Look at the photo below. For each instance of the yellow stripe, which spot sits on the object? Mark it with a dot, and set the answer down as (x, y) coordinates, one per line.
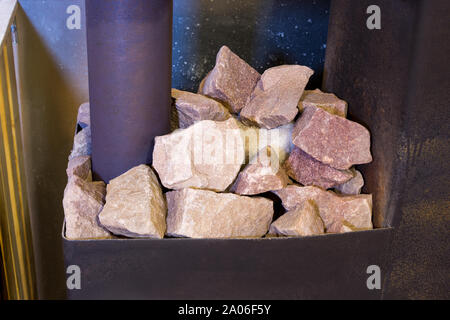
(3, 253)
(12, 193)
(17, 163)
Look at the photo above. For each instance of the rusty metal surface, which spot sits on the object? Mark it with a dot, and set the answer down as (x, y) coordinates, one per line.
(395, 81)
(129, 47)
(320, 267)
(53, 83)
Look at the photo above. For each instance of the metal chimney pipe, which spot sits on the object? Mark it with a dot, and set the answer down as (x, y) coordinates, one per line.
(129, 45)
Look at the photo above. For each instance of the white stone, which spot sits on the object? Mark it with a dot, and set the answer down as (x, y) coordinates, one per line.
(207, 155)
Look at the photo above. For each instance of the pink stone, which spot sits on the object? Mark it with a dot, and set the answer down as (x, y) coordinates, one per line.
(262, 174)
(274, 100)
(303, 220)
(327, 101)
(333, 209)
(332, 140)
(194, 107)
(231, 81)
(308, 171)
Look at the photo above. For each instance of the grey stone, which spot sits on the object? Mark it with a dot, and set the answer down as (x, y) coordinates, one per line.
(303, 220)
(84, 115)
(274, 100)
(205, 214)
(194, 107)
(135, 206)
(82, 202)
(81, 144)
(207, 155)
(81, 167)
(333, 209)
(352, 186)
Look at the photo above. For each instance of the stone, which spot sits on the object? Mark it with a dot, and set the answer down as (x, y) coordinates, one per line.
(274, 100)
(352, 186)
(82, 202)
(262, 174)
(174, 121)
(332, 140)
(81, 167)
(202, 83)
(308, 171)
(303, 220)
(279, 139)
(333, 209)
(81, 143)
(135, 205)
(327, 101)
(231, 81)
(194, 107)
(84, 115)
(205, 214)
(348, 227)
(207, 155)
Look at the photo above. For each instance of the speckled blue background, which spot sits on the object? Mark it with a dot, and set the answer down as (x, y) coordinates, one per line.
(265, 33)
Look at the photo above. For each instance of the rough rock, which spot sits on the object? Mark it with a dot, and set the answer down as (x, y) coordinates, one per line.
(348, 227)
(194, 107)
(332, 140)
(82, 202)
(327, 101)
(81, 144)
(279, 140)
(84, 115)
(135, 205)
(275, 98)
(206, 214)
(207, 155)
(333, 209)
(308, 171)
(231, 81)
(174, 121)
(262, 174)
(202, 83)
(354, 185)
(81, 167)
(303, 220)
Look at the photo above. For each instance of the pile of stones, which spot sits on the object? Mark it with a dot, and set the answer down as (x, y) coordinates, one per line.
(241, 139)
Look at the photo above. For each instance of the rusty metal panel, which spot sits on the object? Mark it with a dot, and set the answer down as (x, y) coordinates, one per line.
(53, 82)
(15, 233)
(318, 267)
(395, 80)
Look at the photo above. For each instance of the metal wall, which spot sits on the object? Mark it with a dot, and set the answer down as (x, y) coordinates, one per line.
(54, 83)
(53, 75)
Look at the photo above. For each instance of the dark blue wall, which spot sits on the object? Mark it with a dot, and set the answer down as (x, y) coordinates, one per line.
(265, 33)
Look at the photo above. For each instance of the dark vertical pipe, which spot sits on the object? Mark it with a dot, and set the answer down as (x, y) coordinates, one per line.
(129, 46)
